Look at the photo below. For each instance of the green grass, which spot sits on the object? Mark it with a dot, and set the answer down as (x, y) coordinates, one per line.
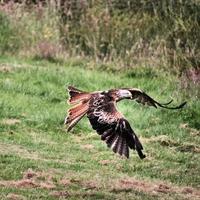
(32, 135)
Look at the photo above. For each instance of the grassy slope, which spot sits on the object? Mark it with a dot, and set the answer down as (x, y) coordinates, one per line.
(34, 94)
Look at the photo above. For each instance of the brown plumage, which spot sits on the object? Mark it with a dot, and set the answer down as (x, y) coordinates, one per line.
(100, 108)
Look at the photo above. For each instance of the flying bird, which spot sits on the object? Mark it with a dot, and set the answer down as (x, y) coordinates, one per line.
(109, 123)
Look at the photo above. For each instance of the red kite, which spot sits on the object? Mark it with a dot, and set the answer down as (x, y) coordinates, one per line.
(100, 108)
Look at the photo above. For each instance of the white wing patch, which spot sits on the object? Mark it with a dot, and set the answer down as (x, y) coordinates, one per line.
(98, 102)
(103, 117)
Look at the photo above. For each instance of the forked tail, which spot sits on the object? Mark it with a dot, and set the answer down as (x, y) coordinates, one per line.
(81, 101)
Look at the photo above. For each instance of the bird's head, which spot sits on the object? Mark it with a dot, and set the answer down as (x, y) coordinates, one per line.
(123, 94)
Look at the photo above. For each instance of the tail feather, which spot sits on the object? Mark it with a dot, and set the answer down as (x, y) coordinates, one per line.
(76, 113)
(77, 108)
(74, 122)
(72, 116)
(76, 95)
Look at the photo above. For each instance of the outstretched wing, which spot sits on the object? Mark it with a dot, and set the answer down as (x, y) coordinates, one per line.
(113, 127)
(143, 98)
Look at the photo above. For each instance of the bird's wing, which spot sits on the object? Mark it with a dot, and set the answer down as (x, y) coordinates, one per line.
(114, 129)
(143, 98)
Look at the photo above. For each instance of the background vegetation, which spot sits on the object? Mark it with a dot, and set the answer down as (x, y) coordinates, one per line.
(96, 45)
(158, 34)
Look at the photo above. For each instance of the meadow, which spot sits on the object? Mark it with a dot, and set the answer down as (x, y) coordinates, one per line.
(40, 160)
(48, 45)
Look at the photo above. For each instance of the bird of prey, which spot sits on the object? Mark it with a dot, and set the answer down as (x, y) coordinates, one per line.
(109, 123)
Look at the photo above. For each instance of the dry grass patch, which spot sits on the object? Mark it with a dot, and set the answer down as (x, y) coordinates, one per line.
(8, 68)
(90, 185)
(59, 194)
(65, 182)
(192, 131)
(5, 69)
(12, 196)
(153, 188)
(106, 162)
(11, 121)
(163, 140)
(87, 146)
(31, 179)
(189, 148)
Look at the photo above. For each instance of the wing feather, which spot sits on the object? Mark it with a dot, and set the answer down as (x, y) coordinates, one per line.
(143, 98)
(113, 127)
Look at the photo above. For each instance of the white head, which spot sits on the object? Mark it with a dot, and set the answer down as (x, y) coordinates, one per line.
(122, 94)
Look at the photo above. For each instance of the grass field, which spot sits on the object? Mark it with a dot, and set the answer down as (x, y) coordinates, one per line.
(40, 160)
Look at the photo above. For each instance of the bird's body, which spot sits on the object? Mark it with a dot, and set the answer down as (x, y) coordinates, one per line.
(110, 124)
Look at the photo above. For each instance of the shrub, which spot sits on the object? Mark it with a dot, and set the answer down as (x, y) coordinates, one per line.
(128, 33)
(8, 39)
(48, 51)
(153, 33)
(30, 24)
